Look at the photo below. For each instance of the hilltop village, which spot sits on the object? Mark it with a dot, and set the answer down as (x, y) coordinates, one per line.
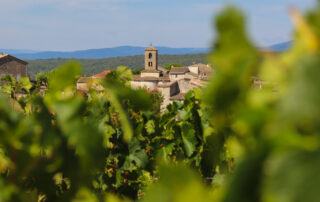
(173, 84)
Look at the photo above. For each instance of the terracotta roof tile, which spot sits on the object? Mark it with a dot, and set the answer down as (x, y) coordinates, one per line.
(101, 74)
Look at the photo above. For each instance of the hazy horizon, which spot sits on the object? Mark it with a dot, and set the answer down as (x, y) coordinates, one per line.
(56, 25)
(97, 48)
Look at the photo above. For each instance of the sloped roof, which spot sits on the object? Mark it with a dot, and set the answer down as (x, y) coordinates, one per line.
(6, 57)
(149, 78)
(198, 82)
(164, 77)
(163, 69)
(151, 48)
(179, 96)
(192, 74)
(203, 68)
(101, 74)
(179, 70)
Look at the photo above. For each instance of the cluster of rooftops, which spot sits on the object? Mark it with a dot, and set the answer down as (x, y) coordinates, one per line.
(203, 71)
(173, 83)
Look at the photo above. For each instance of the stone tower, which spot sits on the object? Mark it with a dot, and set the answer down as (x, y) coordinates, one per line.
(151, 58)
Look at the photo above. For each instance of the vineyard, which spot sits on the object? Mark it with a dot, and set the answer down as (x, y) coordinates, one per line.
(227, 142)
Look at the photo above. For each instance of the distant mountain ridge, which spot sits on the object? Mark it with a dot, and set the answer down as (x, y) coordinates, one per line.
(101, 53)
(281, 46)
(116, 52)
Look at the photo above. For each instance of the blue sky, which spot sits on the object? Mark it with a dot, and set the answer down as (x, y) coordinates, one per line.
(84, 24)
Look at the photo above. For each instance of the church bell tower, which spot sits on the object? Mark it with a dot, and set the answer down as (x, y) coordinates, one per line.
(151, 58)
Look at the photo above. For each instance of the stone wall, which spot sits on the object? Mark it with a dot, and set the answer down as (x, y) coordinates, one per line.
(13, 68)
(149, 85)
(135, 84)
(83, 87)
(190, 76)
(194, 69)
(150, 74)
(174, 77)
(165, 91)
(185, 86)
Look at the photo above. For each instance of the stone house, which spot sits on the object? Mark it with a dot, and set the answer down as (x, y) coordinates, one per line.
(10, 65)
(177, 73)
(202, 71)
(85, 83)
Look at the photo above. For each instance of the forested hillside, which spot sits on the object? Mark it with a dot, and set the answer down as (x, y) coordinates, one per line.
(93, 66)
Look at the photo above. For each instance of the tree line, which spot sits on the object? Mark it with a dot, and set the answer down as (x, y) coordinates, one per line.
(94, 66)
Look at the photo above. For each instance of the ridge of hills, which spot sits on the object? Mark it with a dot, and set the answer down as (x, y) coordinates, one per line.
(96, 60)
(281, 46)
(99, 53)
(115, 52)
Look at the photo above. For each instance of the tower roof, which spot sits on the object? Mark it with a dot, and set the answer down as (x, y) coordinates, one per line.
(151, 48)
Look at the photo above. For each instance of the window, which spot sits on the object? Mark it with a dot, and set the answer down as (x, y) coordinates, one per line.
(18, 77)
(150, 64)
(150, 55)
